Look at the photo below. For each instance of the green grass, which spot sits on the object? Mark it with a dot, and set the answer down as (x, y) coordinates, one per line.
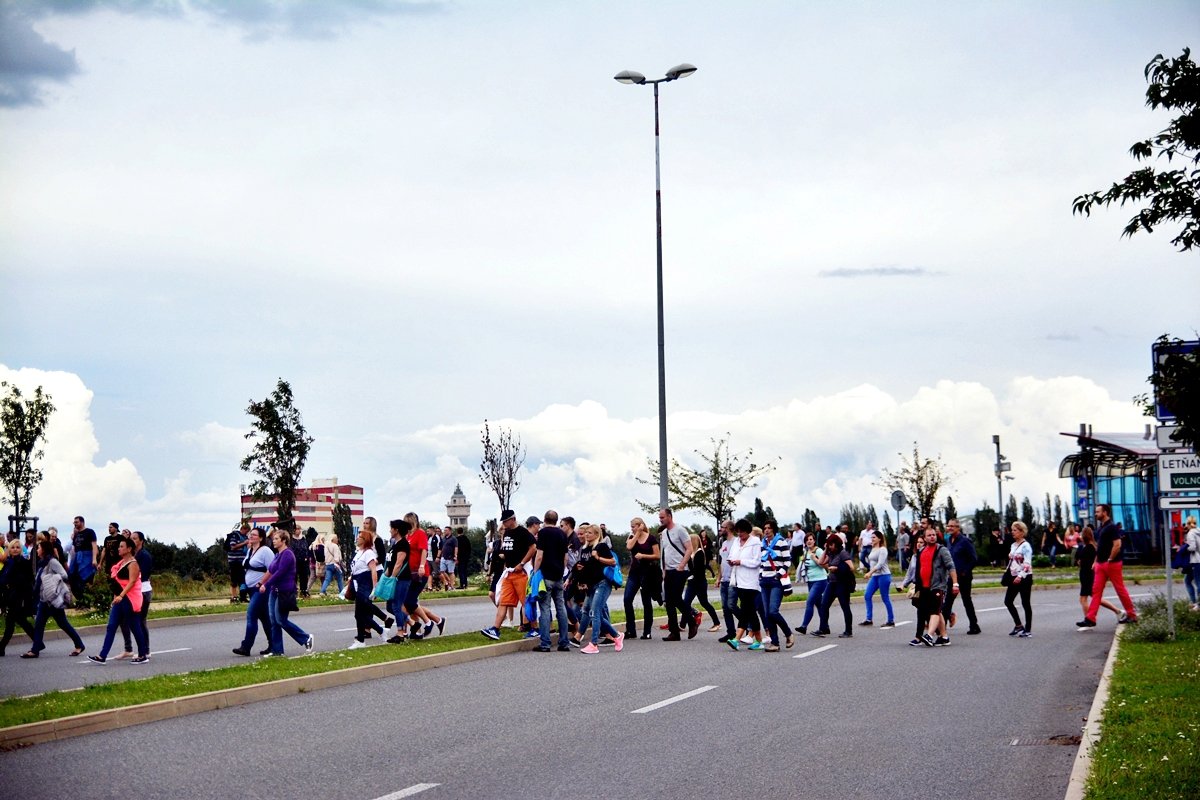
(1150, 738)
(97, 697)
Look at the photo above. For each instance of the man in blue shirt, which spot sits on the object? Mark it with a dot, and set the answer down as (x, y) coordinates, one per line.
(963, 552)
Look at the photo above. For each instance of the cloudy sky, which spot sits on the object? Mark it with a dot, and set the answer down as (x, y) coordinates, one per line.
(426, 214)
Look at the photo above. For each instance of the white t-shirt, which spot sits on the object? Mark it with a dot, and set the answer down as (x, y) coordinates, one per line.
(798, 539)
(865, 537)
(745, 574)
(362, 561)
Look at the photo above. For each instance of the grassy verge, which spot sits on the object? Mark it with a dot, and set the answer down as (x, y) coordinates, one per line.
(1150, 740)
(120, 694)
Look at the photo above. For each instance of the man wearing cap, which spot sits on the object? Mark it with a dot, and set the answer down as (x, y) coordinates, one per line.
(517, 547)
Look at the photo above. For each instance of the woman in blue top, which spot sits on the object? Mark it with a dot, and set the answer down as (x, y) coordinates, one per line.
(815, 576)
(281, 582)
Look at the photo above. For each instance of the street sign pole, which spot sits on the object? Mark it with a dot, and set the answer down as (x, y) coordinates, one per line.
(1170, 582)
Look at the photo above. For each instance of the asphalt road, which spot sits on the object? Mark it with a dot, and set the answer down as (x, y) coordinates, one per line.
(868, 717)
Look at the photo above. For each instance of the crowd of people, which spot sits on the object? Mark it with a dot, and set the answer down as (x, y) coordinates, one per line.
(550, 572)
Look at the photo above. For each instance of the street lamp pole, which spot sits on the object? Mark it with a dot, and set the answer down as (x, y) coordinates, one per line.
(628, 76)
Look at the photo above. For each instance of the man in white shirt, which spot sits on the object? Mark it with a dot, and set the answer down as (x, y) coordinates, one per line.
(865, 537)
(798, 535)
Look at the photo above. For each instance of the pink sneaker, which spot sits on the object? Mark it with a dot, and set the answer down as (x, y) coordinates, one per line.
(590, 649)
(619, 643)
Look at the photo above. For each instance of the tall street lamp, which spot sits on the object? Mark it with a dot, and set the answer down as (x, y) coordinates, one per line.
(681, 71)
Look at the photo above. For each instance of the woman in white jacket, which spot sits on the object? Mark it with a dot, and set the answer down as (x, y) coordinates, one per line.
(745, 554)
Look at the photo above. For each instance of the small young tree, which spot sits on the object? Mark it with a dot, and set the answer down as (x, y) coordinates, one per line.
(1010, 511)
(22, 429)
(502, 461)
(280, 450)
(714, 487)
(343, 525)
(921, 479)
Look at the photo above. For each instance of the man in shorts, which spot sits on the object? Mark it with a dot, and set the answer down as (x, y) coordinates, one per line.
(449, 558)
(517, 548)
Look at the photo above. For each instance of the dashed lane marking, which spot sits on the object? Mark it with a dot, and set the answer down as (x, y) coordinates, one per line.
(670, 700)
(416, 788)
(814, 652)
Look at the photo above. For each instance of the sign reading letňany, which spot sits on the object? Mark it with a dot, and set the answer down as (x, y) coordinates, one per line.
(1178, 472)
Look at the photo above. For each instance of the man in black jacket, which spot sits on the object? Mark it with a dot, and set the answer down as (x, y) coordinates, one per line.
(962, 550)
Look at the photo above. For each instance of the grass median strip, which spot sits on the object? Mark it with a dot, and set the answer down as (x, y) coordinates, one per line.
(121, 694)
(1149, 746)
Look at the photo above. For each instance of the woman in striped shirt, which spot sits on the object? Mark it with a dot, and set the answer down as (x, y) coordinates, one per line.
(773, 579)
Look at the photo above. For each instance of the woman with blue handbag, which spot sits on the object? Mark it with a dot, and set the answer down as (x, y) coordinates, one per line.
(595, 557)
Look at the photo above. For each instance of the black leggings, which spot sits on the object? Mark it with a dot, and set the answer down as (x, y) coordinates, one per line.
(14, 617)
(697, 588)
(1024, 588)
(748, 609)
(637, 585)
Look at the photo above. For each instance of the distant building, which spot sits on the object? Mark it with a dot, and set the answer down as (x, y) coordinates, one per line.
(314, 506)
(458, 509)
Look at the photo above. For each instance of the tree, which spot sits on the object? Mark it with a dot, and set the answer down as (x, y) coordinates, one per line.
(1058, 512)
(810, 522)
(343, 525)
(919, 478)
(1171, 195)
(951, 511)
(887, 526)
(986, 521)
(502, 461)
(22, 429)
(1010, 512)
(714, 487)
(1176, 384)
(281, 448)
(760, 515)
(1027, 515)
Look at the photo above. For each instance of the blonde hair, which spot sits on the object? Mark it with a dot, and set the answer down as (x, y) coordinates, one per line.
(412, 519)
(1020, 526)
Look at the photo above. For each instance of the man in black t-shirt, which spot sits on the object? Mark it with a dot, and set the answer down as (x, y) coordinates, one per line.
(551, 559)
(85, 557)
(518, 548)
(1109, 567)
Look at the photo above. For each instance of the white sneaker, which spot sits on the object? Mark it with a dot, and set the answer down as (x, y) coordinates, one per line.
(308, 645)
(356, 645)
(747, 639)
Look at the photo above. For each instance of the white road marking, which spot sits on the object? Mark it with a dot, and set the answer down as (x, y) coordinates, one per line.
(670, 700)
(814, 652)
(904, 622)
(996, 608)
(343, 630)
(416, 788)
(176, 650)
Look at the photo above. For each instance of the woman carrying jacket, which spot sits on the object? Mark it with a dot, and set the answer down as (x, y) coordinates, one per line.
(49, 585)
(1020, 567)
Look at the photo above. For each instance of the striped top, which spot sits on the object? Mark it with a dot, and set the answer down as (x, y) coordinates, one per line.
(776, 557)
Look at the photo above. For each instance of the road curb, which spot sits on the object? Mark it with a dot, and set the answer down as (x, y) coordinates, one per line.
(112, 719)
(1091, 730)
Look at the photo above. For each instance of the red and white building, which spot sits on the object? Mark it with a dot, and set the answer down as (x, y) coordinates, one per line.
(314, 506)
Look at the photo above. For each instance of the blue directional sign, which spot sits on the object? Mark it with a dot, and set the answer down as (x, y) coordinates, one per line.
(1159, 353)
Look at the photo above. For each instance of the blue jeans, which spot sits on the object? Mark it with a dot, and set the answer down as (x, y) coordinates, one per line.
(332, 572)
(144, 616)
(729, 608)
(44, 611)
(123, 614)
(257, 612)
(279, 608)
(598, 604)
(395, 606)
(554, 594)
(770, 596)
(882, 584)
(816, 594)
(1191, 577)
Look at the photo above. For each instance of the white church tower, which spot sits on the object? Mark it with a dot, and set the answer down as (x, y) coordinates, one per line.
(458, 509)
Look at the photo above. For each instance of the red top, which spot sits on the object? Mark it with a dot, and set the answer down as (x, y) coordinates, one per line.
(418, 543)
(926, 564)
